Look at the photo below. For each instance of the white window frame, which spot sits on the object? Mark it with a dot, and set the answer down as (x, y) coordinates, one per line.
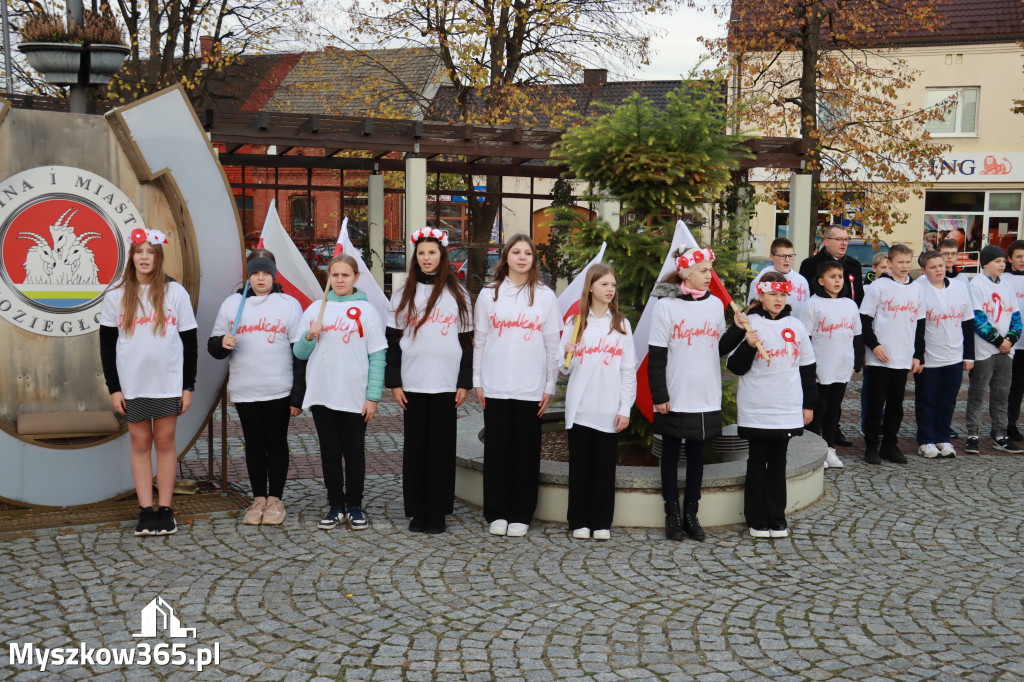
(958, 111)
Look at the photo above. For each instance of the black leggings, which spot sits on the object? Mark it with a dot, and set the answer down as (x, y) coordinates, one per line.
(764, 494)
(265, 431)
(342, 436)
(428, 456)
(827, 412)
(670, 468)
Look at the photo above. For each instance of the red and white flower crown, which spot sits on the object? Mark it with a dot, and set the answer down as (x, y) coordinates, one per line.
(140, 236)
(439, 235)
(688, 257)
(765, 287)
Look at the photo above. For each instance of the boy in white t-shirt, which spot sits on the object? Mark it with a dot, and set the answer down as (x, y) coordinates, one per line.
(949, 350)
(889, 314)
(782, 254)
(1015, 275)
(834, 326)
(997, 322)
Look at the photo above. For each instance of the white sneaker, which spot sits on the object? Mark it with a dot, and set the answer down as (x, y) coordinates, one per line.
(928, 451)
(946, 450)
(832, 460)
(581, 534)
(602, 534)
(517, 530)
(499, 527)
(760, 533)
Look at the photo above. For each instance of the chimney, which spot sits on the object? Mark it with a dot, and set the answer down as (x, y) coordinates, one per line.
(595, 76)
(205, 46)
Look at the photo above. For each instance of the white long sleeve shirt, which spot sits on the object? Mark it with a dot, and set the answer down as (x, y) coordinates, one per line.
(516, 344)
(431, 357)
(602, 374)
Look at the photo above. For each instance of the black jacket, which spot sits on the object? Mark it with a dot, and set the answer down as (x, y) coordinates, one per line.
(852, 275)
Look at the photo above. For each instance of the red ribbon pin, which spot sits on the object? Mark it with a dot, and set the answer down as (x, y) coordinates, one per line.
(788, 335)
(353, 314)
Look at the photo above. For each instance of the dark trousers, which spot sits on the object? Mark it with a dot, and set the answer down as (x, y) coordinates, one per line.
(511, 459)
(428, 456)
(885, 391)
(764, 494)
(1016, 388)
(342, 436)
(827, 411)
(935, 391)
(670, 468)
(265, 431)
(592, 458)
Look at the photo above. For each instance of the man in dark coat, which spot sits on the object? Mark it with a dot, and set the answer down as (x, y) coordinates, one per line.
(834, 249)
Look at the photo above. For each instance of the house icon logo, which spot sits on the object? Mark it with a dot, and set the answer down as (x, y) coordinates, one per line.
(158, 614)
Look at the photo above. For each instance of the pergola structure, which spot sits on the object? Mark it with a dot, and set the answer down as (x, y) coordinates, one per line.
(415, 147)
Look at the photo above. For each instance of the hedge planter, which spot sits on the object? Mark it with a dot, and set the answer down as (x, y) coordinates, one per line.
(57, 62)
(105, 61)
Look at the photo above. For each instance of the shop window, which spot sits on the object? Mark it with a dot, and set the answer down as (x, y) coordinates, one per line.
(962, 119)
(1004, 201)
(972, 202)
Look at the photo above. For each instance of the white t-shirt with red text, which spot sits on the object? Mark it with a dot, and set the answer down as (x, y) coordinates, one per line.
(1017, 284)
(770, 394)
(602, 379)
(999, 302)
(945, 309)
(691, 331)
(797, 298)
(832, 323)
(149, 365)
(261, 364)
(896, 308)
(339, 367)
(516, 354)
(431, 357)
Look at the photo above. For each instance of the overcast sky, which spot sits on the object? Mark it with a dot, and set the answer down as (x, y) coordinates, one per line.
(677, 50)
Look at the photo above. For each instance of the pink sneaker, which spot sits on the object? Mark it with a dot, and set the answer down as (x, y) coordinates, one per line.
(254, 514)
(275, 512)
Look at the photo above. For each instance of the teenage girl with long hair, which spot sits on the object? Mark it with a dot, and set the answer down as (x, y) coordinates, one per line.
(429, 371)
(261, 380)
(515, 365)
(149, 353)
(601, 391)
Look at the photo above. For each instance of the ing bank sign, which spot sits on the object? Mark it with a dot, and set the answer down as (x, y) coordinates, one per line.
(994, 167)
(63, 237)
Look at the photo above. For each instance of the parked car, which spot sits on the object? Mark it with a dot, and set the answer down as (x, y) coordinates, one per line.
(394, 260)
(458, 257)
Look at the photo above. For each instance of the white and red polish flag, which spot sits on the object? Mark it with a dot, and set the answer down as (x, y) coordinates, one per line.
(569, 300)
(366, 284)
(642, 333)
(293, 273)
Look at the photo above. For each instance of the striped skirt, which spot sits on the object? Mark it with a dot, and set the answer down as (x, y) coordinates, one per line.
(141, 409)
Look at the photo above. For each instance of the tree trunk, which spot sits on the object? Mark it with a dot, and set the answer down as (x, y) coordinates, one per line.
(810, 54)
(481, 223)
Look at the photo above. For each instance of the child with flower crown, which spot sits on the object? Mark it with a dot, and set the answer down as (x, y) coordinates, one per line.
(686, 381)
(601, 391)
(255, 329)
(149, 353)
(429, 371)
(775, 400)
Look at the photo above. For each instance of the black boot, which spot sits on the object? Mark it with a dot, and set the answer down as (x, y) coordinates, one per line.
(690, 523)
(673, 524)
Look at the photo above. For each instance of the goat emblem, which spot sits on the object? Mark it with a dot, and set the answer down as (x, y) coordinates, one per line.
(68, 260)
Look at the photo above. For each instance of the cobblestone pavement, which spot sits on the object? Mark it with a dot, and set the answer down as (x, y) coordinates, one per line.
(899, 572)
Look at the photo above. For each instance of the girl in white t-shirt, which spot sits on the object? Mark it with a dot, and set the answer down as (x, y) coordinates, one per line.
(429, 371)
(261, 381)
(775, 400)
(149, 353)
(685, 376)
(515, 365)
(601, 391)
(344, 382)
